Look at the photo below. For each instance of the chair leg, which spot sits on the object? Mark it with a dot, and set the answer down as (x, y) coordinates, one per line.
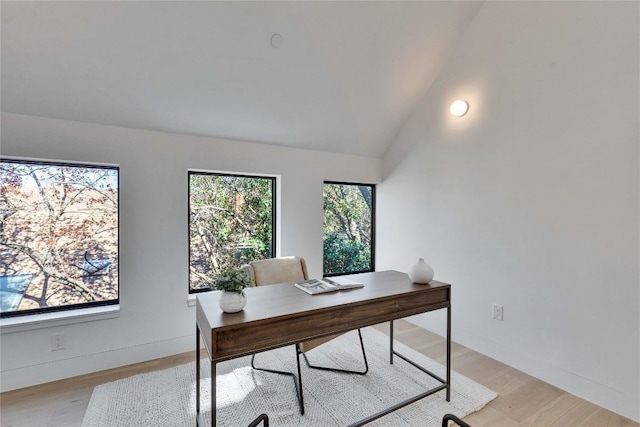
(262, 418)
(299, 385)
(297, 379)
(451, 417)
(346, 371)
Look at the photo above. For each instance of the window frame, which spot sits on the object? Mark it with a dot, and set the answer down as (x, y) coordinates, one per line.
(80, 308)
(373, 227)
(274, 186)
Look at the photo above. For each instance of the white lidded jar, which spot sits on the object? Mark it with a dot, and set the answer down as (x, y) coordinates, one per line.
(421, 272)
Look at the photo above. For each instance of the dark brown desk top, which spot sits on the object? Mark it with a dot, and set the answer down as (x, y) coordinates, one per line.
(280, 314)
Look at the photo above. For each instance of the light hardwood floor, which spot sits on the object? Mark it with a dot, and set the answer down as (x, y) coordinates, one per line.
(522, 400)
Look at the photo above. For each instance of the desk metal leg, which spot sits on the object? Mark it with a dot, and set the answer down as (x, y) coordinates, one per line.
(213, 394)
(199, 420)
(198, 416)
(445, 384)
(449, 352)
(391, 342)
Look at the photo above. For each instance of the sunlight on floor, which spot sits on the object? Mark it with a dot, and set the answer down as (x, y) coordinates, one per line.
(236, 385)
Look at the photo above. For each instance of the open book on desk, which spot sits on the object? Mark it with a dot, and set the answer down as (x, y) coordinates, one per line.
(321, 286)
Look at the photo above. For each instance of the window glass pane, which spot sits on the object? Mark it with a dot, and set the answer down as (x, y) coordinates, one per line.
(231, 222)
(58, 236)
(348, 233)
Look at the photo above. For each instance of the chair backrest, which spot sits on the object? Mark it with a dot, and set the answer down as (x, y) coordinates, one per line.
(276, 270)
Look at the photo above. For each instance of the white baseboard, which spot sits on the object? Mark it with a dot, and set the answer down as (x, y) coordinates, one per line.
(617, 401)
(84, 364)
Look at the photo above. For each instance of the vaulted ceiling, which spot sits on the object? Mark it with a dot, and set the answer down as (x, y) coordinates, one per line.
(345, 77)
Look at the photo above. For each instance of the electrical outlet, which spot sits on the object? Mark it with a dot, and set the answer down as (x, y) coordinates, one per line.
(58, 341)
(498, 312)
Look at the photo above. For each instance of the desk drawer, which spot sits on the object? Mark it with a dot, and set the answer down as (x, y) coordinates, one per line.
(276, 332)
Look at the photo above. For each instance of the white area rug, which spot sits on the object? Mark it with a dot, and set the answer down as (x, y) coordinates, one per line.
(167, 398)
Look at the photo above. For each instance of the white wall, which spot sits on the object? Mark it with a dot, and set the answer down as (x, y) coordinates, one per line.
(155, 320)
(531, 200)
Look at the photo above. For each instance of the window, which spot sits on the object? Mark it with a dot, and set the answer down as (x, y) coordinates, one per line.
(349, 228)
(231, 222)
(58, 236)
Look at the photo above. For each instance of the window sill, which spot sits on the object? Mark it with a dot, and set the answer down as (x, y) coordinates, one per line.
(191, 299)
(49, 320)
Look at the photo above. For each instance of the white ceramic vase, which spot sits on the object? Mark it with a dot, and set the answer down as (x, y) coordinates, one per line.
(232, 302)
(421, 272)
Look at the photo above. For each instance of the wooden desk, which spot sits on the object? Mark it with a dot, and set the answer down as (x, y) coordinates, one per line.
(280, 315)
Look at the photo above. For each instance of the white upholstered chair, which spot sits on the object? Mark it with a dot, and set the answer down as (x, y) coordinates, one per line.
(293, 269)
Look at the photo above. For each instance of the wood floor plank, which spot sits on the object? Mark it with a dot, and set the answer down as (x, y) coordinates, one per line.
(577, 414)
(476, 366)
(556, 412)
(506, 380)
(489, 416)
(605, 418)
(526, 400)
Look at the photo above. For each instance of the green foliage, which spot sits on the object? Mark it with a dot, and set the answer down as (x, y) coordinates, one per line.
(231, 281)
(230, 223)
(343, 255)
(347, 228)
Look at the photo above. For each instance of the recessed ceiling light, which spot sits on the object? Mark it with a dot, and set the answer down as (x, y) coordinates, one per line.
(459, 108)
(276, 40)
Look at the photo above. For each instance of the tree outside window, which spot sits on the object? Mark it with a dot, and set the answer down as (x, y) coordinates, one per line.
(349, 224)
(58, 236)
(231, 222)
